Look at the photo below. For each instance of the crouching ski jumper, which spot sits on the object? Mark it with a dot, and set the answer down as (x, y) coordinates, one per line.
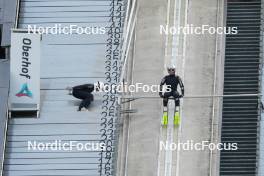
(84, 93)
(172, 81)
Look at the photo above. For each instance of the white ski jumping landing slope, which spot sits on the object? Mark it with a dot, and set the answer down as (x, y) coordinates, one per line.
(168, 142)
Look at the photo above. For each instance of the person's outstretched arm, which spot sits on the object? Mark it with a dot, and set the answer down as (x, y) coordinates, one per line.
(161, 86)
(181, 86)
(80, 87)
(85, 87)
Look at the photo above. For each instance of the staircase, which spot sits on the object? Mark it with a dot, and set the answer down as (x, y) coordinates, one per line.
(242, 70)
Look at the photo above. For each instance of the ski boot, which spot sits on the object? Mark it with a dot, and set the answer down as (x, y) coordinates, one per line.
(165, 118)
(176, 120)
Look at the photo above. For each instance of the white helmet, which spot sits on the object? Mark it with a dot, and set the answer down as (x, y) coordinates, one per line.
(171, 66)
(99, 86)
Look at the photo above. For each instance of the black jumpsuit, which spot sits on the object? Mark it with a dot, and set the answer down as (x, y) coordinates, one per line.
(83, 92)
(173, 81)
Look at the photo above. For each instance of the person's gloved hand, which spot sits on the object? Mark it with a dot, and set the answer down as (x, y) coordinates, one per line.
(160, 94)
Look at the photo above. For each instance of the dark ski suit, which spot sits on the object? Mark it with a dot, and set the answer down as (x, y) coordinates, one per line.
(83, 92)
(173, 81)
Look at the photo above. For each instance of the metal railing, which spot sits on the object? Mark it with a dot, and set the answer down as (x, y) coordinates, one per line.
(129, 29)
(125, 76)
